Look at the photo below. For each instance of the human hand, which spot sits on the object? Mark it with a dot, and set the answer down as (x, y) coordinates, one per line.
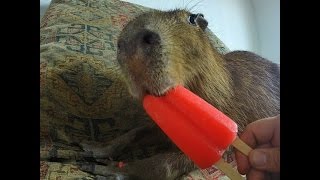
(263, 161)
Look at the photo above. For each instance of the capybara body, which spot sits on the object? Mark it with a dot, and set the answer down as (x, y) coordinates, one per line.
(161, 49)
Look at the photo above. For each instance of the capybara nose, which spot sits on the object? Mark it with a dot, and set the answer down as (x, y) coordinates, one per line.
(143, 46)
(148, 38)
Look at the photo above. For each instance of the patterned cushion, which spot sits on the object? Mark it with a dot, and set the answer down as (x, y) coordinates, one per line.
(82, 93)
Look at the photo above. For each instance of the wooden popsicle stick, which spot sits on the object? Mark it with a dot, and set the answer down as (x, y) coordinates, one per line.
(241, 146)
(228, 170)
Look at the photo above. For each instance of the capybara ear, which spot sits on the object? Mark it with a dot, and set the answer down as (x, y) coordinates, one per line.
(201, 21)
(198, 20)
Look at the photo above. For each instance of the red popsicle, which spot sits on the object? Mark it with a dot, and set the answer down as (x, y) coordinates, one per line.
(200, 130)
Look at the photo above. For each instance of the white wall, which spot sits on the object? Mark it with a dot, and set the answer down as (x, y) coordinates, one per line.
(268, 25)
(44, 2)
(43, 7)
(233, 22)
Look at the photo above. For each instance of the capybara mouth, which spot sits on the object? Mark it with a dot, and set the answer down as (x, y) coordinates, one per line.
(160, 92)
(139, 89)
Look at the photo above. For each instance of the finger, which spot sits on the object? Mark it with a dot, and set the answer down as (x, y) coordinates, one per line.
(243, 164)
(255, 174)
(265, 159)
(264, 146)
(262, 131)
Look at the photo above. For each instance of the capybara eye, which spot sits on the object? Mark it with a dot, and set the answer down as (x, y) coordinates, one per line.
(191, 19)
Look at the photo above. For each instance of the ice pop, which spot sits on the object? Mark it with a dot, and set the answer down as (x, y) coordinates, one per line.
(200, 130)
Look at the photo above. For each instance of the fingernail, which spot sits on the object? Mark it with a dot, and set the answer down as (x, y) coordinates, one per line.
(259, 158)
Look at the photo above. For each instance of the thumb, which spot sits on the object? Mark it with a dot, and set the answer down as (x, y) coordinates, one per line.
(265, 159)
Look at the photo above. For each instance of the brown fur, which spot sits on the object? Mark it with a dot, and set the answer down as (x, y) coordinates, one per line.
(159, 50)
